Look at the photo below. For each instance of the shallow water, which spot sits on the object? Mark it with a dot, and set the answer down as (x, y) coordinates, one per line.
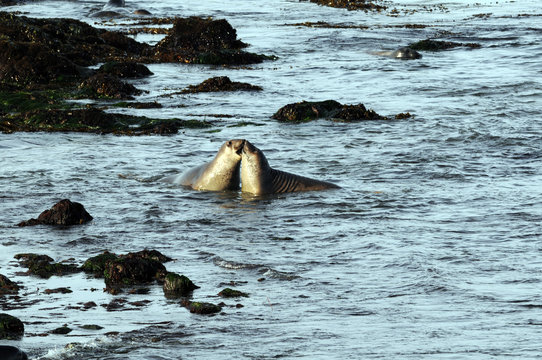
(431, 249)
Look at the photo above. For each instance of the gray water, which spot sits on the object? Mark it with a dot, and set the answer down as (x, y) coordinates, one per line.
(431, 249)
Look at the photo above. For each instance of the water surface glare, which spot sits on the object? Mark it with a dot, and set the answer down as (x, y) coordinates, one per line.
(431, 249)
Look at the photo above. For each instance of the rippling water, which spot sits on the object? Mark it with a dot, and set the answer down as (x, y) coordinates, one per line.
(431, 249)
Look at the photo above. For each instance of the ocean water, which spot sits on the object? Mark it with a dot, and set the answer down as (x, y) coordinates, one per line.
(430, 250)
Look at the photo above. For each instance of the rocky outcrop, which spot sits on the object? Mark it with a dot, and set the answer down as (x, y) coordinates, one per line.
(305, 111)
(7, 287)
(178, 285)
(221, 83)
(44, 266)
(64, 212)
(434, 45)
(10, 327)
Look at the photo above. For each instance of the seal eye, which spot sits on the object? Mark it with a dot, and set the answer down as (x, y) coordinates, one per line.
(229, 143)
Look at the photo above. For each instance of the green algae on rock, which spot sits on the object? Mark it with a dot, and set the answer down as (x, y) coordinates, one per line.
(231, 293)
(132, 270)
(96, 264)
(7, 287)
(11, 328)
(178, 285)
(43, 265)
(197, 307)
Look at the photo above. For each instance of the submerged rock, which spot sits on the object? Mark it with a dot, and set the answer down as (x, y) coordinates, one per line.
(12, 353)
(64, 212)
(10, 327)
(221, 83)
(305, 111)
(351, 4)
(7, 287)
(434, 45)
(178, 285)
(126, 69)
(43, 265)
(230, 293)
(201, 307)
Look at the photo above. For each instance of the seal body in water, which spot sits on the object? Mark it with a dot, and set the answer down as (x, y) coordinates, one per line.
(403, 53)
(258, 178)
(12, 353)
(222, 173)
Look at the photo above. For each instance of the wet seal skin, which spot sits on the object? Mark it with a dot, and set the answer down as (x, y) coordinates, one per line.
(258, 178)
(222, 173)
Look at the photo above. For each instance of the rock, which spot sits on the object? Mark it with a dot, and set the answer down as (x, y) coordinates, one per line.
(433, 45)
(44, 267)
(204, 41)
(10, 327)
(149, 254)
(230, 293)
(7, 287)
(91, 327)
(61, 330)
(132, 270)
(96, 264)
(108, 86)
(305, 111)
(178, 285)
(64, 212)
(220, 83)
(12, 353)
(200, 307)
(351, 4)
(127, 69)
(61, 290)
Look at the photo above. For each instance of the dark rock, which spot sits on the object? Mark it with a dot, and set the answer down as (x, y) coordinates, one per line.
(96, 264)
(61, 290)
(220, 83)
(351, 4)
(230, 293)
(127, 69)
(12, 353)
(149, 254)
(434, 45)
(61, 330)
(44, 267)
(200, 307)
(132, 270)
(306, 111)
(108, 86)
(10, 327)
(64, 212)
(91, 327)
(7, 287)
(203, 41)
(178, 285)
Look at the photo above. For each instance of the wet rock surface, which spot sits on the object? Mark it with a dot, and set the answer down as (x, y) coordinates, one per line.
(221, 83)
(127, 69)
(65, 212)
(434, 45)
(12, 353)
(231, 293)
(305, 111)
(10, 327)
(44, 266)
(108, 86)
(204, 308)
(178, 285)
(8, 287)
(351, 4)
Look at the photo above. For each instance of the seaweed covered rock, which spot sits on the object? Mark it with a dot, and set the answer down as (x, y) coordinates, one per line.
(231, 293)
(130, 270)
(149, 254)
(204, 41)
(178, 285)
(221, 83)
(44, 266)
(10, 327)
(197, 307)
(305, 111)
(125, 69)
(108, 86)
(7, 287)
(64, 212)
(351, 4)
(12, 353)
(96, 264)
(434, 45)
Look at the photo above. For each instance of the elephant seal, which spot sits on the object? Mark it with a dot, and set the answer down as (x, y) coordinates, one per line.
(12, 353)
(258, 178)
(222, 173)
(403, 53)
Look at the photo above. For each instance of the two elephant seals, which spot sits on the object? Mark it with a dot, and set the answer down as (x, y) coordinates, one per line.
(258, 178)
(222, 173)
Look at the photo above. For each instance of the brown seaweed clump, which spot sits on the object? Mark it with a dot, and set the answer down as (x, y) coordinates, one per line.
(434, 45)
